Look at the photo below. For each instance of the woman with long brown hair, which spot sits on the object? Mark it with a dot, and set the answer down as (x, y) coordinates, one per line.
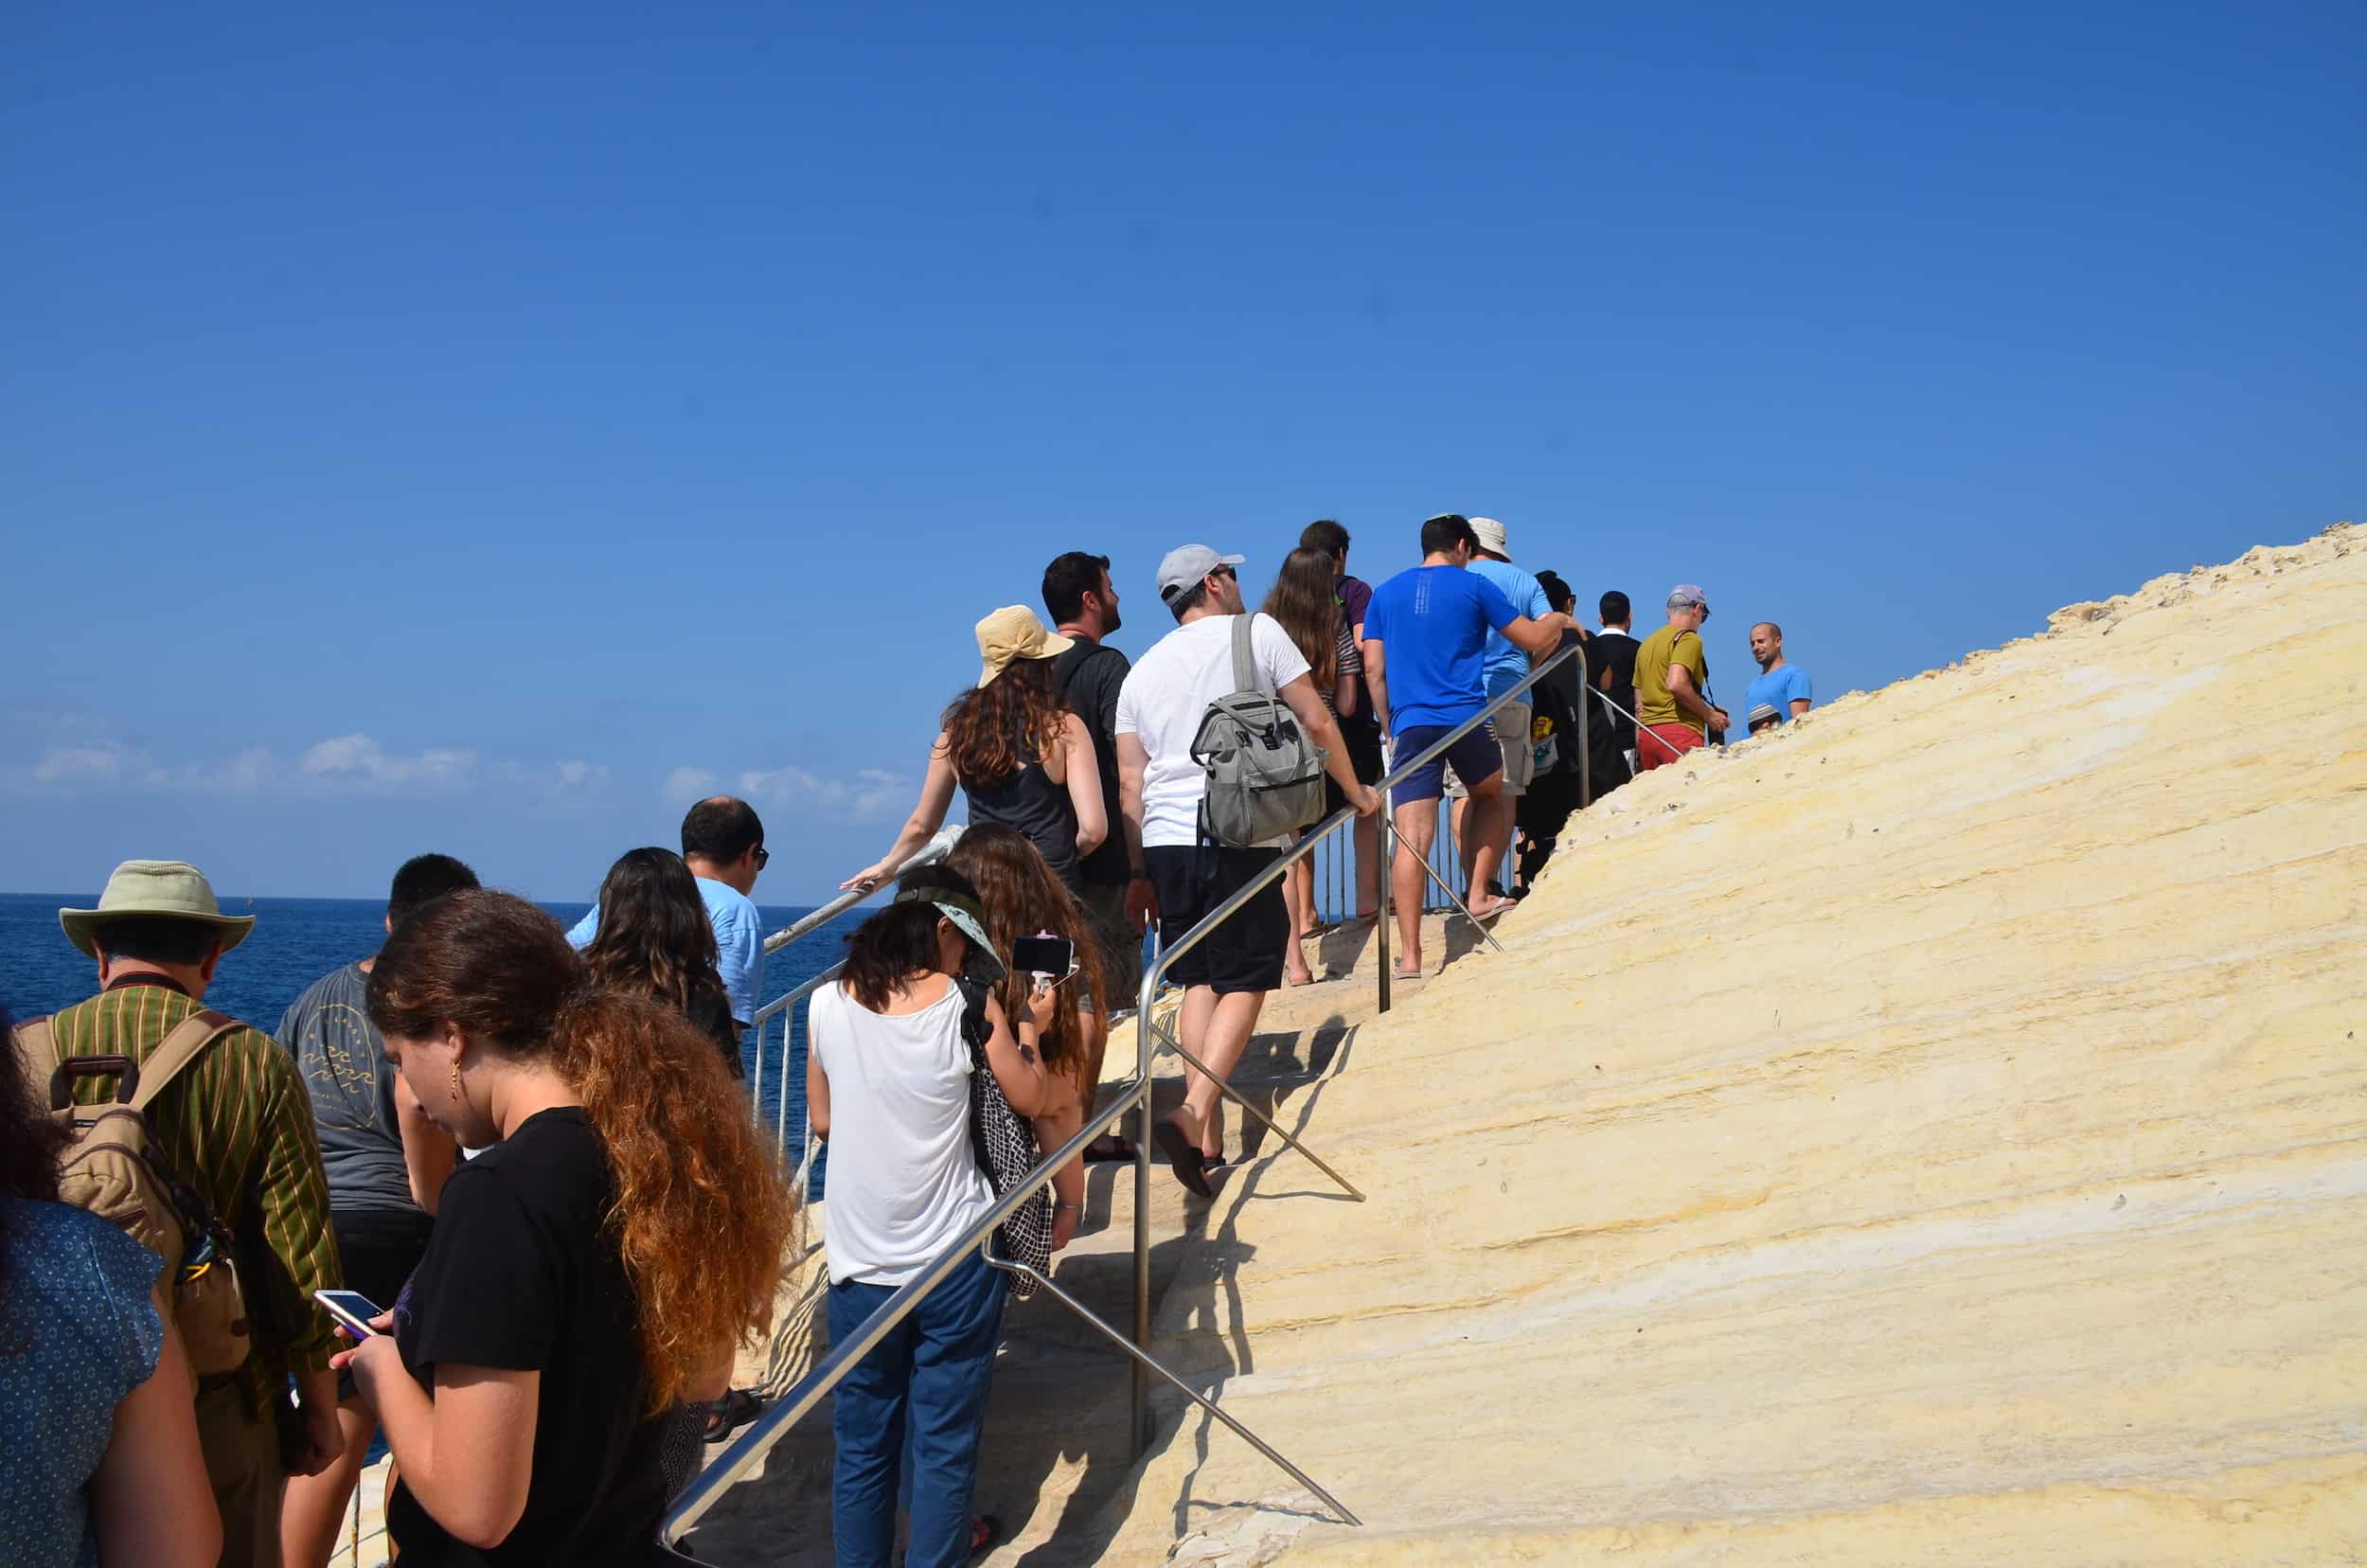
(1024, 760)
(621, 1232)
(656, 939)
(1022, 898)
(1305, 599)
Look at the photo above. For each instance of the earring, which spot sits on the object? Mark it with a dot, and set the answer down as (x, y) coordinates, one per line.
(456, 1080)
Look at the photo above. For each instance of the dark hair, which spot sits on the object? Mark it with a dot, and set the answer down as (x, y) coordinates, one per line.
(1305, 602)
(1189, 599)
(721, 830)
(423, 879)
(1557, 592)
(1615, 608)
(30, 1142)
(900, 939)
(1324, 535)
(1068, 579)
(699, 1211)
(1445, 531)
(158, 939)
(994, 730)
(654, 936)
(1020, 896)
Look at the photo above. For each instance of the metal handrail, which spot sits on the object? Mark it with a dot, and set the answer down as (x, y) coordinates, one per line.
(814, 920)
(758, 1438)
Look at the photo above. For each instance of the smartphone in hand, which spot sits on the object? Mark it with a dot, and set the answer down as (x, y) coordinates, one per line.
(351, 1309)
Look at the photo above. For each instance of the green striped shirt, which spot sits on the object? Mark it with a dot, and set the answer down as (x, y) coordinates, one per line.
(236, 1126)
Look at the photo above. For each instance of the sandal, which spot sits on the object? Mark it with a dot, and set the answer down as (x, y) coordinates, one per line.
(723, 1417)
(1398, 971)
(1108, 1147)
(986, 1532)
(1191, 1166)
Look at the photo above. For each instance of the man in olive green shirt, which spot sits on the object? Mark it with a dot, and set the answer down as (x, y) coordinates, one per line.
(1672, 681)
(236, 1126)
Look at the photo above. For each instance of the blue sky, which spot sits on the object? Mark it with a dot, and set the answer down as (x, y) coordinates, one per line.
(474, 428)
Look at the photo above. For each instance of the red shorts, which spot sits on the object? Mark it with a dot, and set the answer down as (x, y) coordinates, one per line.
(1657, 745)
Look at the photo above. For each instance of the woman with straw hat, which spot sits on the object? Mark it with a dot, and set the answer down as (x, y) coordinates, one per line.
(1020, 756)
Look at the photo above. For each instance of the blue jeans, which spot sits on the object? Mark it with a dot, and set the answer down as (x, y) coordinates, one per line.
(929, 1377)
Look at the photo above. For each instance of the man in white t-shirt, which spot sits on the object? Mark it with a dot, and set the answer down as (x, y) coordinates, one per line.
(1173, 875)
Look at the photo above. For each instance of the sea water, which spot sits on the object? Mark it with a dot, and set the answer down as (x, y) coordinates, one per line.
(295, 941)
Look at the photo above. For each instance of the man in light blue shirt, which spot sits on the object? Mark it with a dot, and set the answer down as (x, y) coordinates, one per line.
(723, 842)
(1783, 691)
(1506, 667)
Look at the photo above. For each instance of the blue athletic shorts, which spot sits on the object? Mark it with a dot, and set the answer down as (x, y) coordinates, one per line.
(1477, 759)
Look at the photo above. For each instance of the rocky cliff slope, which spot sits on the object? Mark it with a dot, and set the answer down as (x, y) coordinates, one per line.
(1936, 1133)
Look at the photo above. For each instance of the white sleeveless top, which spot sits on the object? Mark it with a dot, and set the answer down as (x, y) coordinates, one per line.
(900, 1185)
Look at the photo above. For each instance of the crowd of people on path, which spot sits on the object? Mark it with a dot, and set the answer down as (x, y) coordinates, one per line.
(493, 1199)
(493, 1195)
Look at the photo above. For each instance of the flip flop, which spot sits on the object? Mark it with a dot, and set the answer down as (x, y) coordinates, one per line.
(1191, 1166)
(1397, 972)
(1109, 1147)
(986, 1532)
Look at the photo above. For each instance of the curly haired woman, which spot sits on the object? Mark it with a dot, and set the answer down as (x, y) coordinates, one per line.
(623, 1230)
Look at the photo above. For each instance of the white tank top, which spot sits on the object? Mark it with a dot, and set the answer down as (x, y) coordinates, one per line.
(902, 1183)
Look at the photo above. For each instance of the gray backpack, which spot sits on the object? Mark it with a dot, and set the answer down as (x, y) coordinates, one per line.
(1265, 776)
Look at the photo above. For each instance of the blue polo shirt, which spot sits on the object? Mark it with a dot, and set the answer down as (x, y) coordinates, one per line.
(1432, 624)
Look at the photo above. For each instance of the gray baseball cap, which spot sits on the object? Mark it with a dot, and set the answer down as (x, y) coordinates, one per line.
(1686, 594)
(1186, 564)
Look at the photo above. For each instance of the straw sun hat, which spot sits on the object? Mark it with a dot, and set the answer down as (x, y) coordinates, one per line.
(160, 889)
(1012, 634)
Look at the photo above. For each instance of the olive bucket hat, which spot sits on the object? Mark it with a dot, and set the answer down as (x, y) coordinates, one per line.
(174, 890)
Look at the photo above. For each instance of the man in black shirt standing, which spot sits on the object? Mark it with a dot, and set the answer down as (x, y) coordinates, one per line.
(1610, 730)
(1084, 605)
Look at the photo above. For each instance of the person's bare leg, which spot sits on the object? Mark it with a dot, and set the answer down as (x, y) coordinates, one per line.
(1463, 843)
(1418, 822)
(1298, 893)
(312, 1509)
(1230, 1025)
(1367, 831)
(1492, 812)
(1191, 1032)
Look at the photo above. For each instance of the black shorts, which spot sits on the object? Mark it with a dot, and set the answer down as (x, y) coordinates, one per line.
(377, 1249)
(1245, 952)
(1363, 739)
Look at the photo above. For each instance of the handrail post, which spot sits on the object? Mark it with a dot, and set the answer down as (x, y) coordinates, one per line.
(1388, 856)
(1140, 1403)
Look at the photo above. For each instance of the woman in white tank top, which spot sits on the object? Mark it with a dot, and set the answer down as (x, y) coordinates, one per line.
(888, 1082)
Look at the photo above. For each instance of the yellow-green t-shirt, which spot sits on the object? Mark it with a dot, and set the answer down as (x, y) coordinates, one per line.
(1653, 703)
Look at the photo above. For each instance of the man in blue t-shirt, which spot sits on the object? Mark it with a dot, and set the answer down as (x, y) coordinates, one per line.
(1425, 660)
(1783, 691)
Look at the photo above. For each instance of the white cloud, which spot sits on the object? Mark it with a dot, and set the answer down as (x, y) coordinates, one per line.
(359, 759)
(68, 764)
(870, 791)
(685, 785)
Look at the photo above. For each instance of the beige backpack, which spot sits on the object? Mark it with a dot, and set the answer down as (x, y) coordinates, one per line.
(111, 1171)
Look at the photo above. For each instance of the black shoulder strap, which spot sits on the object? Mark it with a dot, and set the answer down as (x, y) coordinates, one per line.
(975, 1029)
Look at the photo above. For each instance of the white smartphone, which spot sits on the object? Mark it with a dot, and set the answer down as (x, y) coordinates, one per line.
(350, 1308)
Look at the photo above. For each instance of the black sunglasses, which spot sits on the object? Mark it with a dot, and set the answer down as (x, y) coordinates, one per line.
(763, 856)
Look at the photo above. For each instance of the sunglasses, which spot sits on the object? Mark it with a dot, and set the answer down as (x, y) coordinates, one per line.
(764, 857)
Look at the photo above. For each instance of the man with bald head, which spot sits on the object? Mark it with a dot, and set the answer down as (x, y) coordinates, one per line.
(1781, 692)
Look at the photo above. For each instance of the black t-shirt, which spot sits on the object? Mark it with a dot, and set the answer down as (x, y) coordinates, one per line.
(1091, 674)
(520, 1276)
(1617, 650)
